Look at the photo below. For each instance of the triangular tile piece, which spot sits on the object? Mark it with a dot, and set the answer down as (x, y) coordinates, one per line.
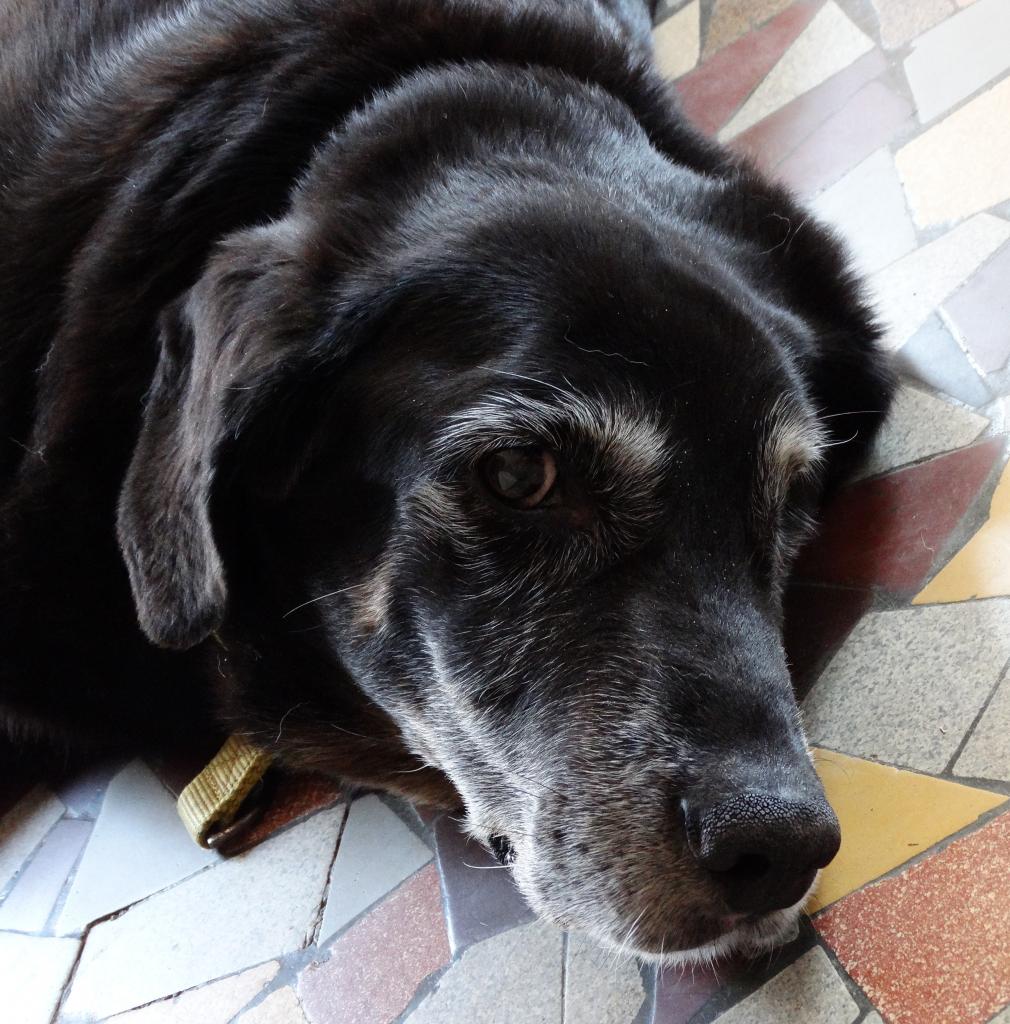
(888, 816)
(982, 567)
(677, 41)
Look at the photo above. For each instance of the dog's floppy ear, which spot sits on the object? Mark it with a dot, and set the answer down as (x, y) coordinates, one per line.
(226, 345)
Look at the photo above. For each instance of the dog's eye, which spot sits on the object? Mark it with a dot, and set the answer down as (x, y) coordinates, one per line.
(522, 477)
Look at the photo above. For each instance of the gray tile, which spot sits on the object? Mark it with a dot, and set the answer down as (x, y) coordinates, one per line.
(33, 972)
(34, 895)
(525, 965)
(919, 427)
(906, 685)
(23, 827)
(902, 20)
(377, 852)
(599, 987)
(809, 990)
(953, 60)
(84, 792)
(253, 908)
(935, 358)
(139, 847)
(980, 313)
(987, 753)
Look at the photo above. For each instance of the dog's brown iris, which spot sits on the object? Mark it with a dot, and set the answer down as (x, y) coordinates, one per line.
(522, 477)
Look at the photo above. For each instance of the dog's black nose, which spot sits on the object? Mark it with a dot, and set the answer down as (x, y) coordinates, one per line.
(763, 849)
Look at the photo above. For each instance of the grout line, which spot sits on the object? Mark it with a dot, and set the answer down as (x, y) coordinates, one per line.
(949, 770)
(317, 924)
(564, 976)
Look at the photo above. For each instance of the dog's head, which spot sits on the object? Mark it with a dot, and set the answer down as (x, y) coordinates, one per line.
(531, 476)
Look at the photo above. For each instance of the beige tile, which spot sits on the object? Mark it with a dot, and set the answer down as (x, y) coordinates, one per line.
(910, 289)
(33, 972)
(920, 426)
(598, 988)
(247, 910)
(962, 164)
(957, 58)
(280, 1007)
(732, 19)
(214, 1003)
(23, 827)
(678, 41)
(902, 20)
(987, 754)
(829, 44)
(808, 990)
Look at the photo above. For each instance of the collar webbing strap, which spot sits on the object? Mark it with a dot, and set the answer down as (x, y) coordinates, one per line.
(212, 800)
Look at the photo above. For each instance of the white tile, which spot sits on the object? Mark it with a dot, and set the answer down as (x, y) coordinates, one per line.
(907, 292)
(987, 754)
(139, 847)
(33, 972)
(868, 207)
(678, 41)
(919, 427)
(906, 685)
(280, 1007)
(245, 911)
(955, 59)
(377, 852)
(599, 987)
(23, 827)
(829, 44)
(525, 964)
(214, 1003)
(962, 164)
(902, 20)
(808, 990)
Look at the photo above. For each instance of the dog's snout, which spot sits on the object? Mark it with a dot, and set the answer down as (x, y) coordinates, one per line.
(763, 849)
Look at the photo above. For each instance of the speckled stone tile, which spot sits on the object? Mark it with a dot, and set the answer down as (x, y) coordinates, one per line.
(31, 901)
(139, 846)
(865, 122)
(23, 827)
(817, 620)
(677, 41)
(932, 946)
(828, 44)
(933, 357)
(526, 966)
(32, 974)
(599, 989)
(920, 426)
(770, 142)
(280, 1007)
(982, 567)
(958, 57)
(867, 206)
(987, 753)
(886, 532)
(906, 686)
(214, 1003)
(902, 20)
(962, 164)
(731, 19)
(980, 313)
(711, 93)
(481, 897)
(808, 990)
(682, 991)
(377, 852)
(375, 968)
(250, 909)
(908, 291)
(888, 816)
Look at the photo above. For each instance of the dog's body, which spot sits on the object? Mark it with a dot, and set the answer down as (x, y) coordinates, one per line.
(279, 279)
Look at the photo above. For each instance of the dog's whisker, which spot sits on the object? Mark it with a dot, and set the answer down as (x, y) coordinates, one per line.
(322, 597)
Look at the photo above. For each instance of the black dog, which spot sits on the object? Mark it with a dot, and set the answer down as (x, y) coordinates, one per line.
(453, 410)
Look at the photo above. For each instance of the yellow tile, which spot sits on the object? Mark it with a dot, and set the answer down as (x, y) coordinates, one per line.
(982, 567)
(888, 816)
(678, 41)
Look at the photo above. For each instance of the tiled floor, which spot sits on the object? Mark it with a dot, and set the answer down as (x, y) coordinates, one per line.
(893, 118)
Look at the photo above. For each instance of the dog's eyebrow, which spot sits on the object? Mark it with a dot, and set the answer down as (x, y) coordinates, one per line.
(791, 446)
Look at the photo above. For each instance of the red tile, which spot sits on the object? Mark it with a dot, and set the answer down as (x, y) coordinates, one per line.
(375, 968)
(888, 532)
(866, 122)
(981, 313)
(817, 620)
(932, 945)
(770, 141)
(711, 93)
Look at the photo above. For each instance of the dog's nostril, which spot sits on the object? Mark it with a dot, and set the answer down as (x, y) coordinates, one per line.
(749, 866)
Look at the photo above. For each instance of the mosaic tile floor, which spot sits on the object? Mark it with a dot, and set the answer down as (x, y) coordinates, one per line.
(893, 118)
